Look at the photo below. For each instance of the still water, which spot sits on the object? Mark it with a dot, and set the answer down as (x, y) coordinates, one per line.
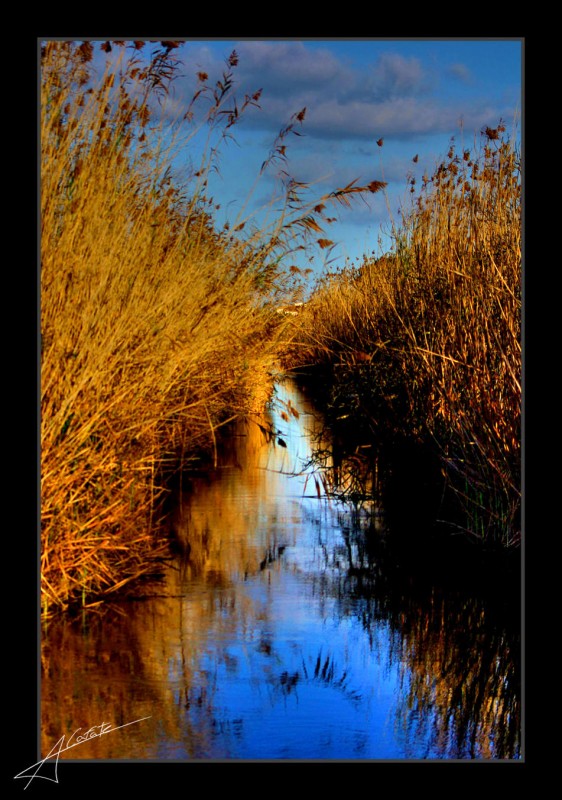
(278, 633)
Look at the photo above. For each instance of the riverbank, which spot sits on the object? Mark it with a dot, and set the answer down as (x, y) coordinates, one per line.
(415, 357)
(156, 327)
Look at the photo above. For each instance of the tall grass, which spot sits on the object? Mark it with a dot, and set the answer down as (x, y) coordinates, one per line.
(155, 327)
(425, 342)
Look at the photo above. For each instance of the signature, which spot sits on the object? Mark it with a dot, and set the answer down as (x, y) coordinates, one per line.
(54, 753)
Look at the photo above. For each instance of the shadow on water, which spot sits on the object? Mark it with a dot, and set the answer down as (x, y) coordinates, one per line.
(288, 627)
(458, 647)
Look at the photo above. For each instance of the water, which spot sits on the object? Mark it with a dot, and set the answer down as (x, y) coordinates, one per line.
(280, 632)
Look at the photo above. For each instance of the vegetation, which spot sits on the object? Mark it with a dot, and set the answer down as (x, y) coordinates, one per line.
(421, 348)
(150, 319)
(157, 325)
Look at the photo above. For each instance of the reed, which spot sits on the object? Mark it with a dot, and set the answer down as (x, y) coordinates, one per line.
(156, 327)
(424, 342)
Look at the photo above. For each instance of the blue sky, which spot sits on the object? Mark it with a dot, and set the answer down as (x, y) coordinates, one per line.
(414, 94)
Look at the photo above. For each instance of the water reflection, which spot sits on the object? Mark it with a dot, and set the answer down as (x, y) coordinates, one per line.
(282, 631)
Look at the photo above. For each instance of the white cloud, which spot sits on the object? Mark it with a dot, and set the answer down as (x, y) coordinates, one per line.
(461, 73)
(394, 96)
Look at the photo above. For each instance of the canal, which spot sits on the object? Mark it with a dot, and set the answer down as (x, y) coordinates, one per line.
(279, 632)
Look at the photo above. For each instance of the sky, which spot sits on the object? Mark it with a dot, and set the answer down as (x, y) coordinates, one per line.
(414, 95)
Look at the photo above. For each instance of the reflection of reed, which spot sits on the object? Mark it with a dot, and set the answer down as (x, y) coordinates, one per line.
(466, 672)
(327, 673)
(99, 674)
(321, 670)
(149, 663)
(219, 523)
(166, 657)
(149, 660)
(459, 661)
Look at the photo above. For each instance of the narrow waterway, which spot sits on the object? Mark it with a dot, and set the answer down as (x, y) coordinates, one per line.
(278, 633)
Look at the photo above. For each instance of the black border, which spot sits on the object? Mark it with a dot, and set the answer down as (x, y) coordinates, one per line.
(22, 478)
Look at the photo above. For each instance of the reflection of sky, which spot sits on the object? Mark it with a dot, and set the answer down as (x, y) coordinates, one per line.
(268, 650)
(303, 669)
(287, 707)
(301, 680)
(295, 433)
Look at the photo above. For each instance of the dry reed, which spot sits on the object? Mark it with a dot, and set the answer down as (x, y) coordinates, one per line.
(155, 328)
(425, 342)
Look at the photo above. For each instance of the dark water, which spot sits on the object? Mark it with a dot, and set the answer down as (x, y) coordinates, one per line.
(282, 633)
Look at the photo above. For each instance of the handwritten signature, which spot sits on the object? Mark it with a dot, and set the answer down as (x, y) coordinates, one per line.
(92, 733)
